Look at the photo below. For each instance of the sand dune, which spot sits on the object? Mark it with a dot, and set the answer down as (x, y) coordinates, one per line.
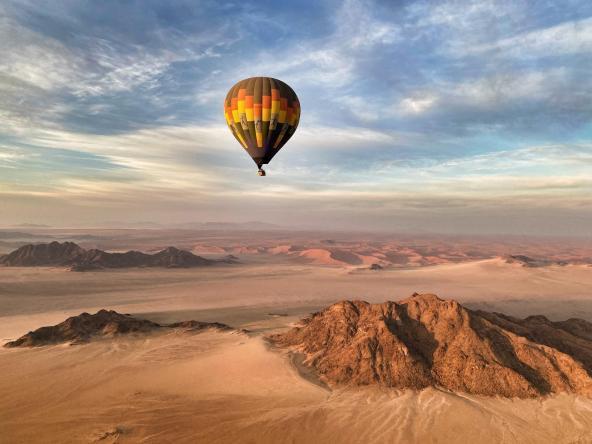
(393, 250)
(207, 249)
(280, 249)
(31, 297)
(223, 387)
(320, 256)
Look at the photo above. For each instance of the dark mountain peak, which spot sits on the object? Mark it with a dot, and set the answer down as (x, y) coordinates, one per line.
(577, 327)
(537, 319)
(171, 250)
(104, 323)
(530, 262)
(172, 257)
(84, 326)
(51, 254)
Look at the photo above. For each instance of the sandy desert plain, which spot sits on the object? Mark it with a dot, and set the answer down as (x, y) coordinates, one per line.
(231, 386)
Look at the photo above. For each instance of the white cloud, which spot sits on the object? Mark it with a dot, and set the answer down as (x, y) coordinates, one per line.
(37, 70)
(464, 15)
(30, 59)
(499, 91)
(574, 37)
(361, 107)
(331, 62)
(510, 87)
(562, 158)
(323, 137)
(166, 162)
(115, 72)
(358, 28)
(417, 104)
(9, 158)
(481, 28)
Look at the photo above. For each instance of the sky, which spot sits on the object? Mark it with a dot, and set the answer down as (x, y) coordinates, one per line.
(468, 117)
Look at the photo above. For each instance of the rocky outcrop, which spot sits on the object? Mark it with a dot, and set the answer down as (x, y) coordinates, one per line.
(96, 259)
(52, 254)
(199, 325)
(426, 341)
(530, 262)
(104, 323)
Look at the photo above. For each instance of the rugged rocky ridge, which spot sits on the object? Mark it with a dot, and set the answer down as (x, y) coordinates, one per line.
(69, 254)
(54, 253)
(426, 341)
(104, 323)
(530, 262)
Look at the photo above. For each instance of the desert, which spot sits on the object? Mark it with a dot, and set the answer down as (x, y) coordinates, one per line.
(236, 381)
(300, 222)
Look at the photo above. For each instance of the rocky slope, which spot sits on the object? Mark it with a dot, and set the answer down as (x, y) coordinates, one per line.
(426, 341)
(54, 253)
(69, 254)
(104, 323)
(530, 262)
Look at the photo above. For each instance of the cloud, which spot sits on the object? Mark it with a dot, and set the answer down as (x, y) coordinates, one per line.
(417, 105)
(501, 66)
(573, 37)
(181, 160)
(47, 80)
(408, 108)
(463, 15)
(525, 101)
(327, 63)
(9, 158)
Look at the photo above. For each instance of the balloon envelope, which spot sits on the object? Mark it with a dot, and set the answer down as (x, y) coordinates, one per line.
(262, 114)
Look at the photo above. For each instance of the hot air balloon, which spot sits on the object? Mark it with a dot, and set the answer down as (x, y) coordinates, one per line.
(262, 114)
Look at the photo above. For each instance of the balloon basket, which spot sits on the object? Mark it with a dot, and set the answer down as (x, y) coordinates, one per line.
(261, 172)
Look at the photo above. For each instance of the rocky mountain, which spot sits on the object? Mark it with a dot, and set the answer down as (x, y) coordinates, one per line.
(530, 262)
(173, 257)
(104, 323)
(200, 325)
(52, 254)
(69, 254)
(426, 341)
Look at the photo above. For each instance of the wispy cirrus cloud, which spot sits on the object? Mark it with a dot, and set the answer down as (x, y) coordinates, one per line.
(573, 37)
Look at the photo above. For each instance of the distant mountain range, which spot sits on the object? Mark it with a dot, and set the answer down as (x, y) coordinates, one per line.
(213, 225)
(15, 235)
(248, 226)
(426, 341)
(69, 254)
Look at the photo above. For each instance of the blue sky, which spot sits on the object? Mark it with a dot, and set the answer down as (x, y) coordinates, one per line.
(444, 116)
